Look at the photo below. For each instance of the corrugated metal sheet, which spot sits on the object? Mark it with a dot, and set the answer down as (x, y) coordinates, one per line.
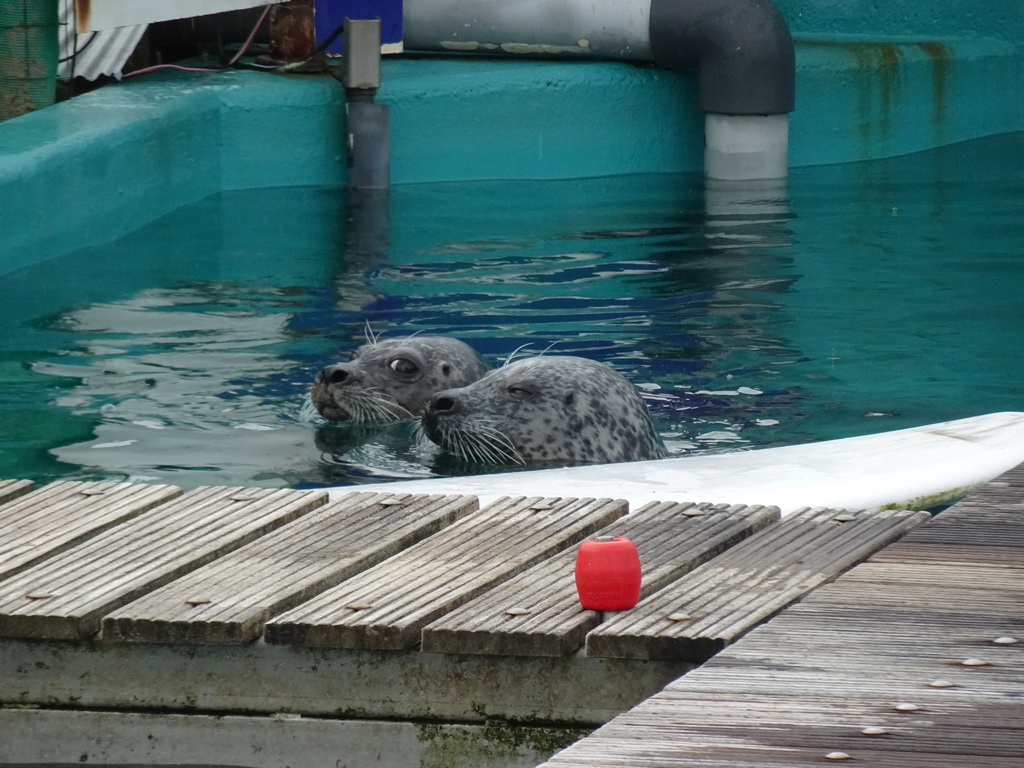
(108, 14)
(101, 53)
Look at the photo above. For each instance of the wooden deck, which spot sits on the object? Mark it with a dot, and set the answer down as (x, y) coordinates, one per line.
(401, 608)
(914, 658)
(136, 564)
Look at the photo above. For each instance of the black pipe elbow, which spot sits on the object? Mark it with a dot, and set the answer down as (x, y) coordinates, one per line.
(742, 49)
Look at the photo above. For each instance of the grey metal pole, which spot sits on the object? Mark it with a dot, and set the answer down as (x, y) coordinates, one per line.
(368, 124)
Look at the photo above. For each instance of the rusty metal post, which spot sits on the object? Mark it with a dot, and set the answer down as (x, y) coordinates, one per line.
(292, 35)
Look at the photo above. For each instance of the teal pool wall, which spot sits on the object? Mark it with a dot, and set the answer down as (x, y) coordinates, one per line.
(873, 80)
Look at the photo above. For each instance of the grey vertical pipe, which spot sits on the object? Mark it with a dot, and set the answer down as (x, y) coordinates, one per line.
(746, 66)
(369, 124)
(742, 50)
(369, 145)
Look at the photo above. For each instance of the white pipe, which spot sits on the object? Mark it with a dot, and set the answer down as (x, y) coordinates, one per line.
(608, 29)
(745, 147)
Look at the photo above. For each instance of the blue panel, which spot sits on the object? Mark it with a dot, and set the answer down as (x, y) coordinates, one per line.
(330, 14)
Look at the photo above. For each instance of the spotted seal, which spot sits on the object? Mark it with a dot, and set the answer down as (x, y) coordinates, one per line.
(394, 379)
(545, 409)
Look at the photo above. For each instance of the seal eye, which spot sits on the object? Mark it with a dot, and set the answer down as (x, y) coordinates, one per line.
(520, 392)
(403, 366)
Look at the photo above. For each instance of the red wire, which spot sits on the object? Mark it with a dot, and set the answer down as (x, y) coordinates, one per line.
(236, 57)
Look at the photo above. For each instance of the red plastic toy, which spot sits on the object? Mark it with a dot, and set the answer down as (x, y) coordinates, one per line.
(608, 574)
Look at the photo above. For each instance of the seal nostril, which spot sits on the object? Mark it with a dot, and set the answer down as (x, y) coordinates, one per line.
(443, 404)
(334, 374)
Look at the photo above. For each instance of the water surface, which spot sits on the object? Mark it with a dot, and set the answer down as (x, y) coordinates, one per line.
(859, 298)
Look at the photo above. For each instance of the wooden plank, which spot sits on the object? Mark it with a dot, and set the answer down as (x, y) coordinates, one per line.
(808, 683)
(230, 599)
(538, 612)
(995, 535)
(12, 489)
(60, 515)
(387, 606)
(65, 596)
(717, 603)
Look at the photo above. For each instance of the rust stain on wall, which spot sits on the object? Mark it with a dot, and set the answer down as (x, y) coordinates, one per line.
(83, 15)
(878, 66)
(941, 56)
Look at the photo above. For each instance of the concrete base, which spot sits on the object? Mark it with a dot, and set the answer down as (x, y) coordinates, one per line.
(109, 738)
(264, 679)
(150, 704)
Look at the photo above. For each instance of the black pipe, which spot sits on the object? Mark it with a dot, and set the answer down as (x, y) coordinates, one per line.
(742, 49)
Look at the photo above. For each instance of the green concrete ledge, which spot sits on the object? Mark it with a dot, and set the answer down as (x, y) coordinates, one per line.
(89, 170)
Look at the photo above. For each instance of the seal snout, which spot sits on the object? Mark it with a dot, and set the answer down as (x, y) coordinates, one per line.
(442, 403)
(333, 374)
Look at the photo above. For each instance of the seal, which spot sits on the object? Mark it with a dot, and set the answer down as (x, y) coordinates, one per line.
(545, 409)
(394, 379)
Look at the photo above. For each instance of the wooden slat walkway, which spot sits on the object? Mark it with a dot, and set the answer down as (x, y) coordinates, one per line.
(40, 524)
(538, 612)
(12, 489)
(914, 659)
(388, 605)
(230, 599)
(65, 596)
(719, 602)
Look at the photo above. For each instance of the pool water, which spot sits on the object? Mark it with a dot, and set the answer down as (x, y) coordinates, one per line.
(857, 299)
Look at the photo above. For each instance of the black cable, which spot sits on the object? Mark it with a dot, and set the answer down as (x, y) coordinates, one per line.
(80, 50)
(328, 40)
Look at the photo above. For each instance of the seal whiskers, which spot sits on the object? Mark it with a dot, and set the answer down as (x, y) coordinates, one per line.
(372, 405)
(498, 446)
(485, 445)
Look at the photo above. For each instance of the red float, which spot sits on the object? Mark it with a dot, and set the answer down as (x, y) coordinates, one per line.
(608, 574)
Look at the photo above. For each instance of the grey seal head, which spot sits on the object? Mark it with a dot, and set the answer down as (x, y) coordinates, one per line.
(394, 379)
(545, 409)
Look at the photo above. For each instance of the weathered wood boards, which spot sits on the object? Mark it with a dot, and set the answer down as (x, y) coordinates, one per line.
(228, 600)
(12, 489)
(909, 660)
(701, 613)
(386, 606)
(538, 613)
(42, 523)
(994, 537)
(65, 596)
